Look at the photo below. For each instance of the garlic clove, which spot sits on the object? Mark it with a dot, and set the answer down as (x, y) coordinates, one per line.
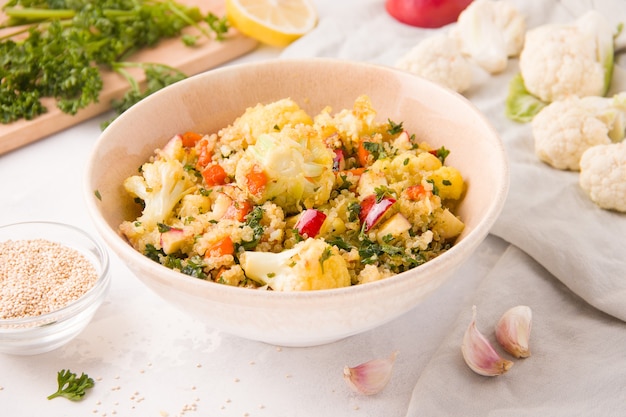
(478, 353)
(370, 377)
(513, 331)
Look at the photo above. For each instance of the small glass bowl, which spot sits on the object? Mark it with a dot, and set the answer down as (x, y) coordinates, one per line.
(46, 332)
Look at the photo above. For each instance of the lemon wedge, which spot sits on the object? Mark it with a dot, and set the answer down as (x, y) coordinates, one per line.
(273, 22)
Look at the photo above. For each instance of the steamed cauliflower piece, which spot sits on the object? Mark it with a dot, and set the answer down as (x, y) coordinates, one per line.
(161, 187)
(439, 59)
(348, 125)
(296, 165)
(260, 119)
(603, 175)
(565, 129)
(312, 264)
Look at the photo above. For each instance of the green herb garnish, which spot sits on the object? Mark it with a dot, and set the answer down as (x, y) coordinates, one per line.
(375, 149)
(441, 153)
(70, 386)
(60, 48)
(394, 128)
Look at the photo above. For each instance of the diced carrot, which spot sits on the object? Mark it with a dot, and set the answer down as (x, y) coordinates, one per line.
(238, 210)
(416, 192)
(222, 247)
(357, 172)
(256, 181)
(214, 174)
(190, 139)
(205, 153)
(363, 154)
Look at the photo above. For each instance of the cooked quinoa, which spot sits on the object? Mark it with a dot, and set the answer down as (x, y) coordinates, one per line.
(286, 201)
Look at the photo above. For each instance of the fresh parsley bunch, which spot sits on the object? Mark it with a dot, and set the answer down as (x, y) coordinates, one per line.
(59, 48)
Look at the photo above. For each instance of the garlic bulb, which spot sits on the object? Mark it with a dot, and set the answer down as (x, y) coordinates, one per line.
(370, 377)
(513, 331)
(478, 353)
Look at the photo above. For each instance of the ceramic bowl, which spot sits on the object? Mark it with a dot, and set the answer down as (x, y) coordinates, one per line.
(46, 332)
(212, 100)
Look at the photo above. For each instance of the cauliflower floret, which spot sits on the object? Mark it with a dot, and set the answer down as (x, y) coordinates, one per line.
(566, 128)
(296, 165)
(439, 59)
(371, 273)
(559, 60)
(603, 175)
(490, 32)
(161, 186)
(449, 182)
(349, 124)
(312, 264)
(261, 119)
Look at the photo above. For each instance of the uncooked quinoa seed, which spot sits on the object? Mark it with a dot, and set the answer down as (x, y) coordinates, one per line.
(39, 276)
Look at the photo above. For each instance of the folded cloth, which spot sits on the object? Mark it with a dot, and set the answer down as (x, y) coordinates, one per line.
(577, 361)
(547, 214)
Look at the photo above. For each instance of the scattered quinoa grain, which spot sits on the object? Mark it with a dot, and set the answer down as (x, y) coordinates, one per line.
(39, 276)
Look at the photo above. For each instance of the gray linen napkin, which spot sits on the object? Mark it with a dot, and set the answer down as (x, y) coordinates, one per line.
(577, 365)
(546, 215)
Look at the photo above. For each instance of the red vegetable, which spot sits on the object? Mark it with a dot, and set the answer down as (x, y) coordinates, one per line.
(222, 247)
(426, 13)
(190, 139)
(372, 211)
(339, 161)
(416, 192)
(256, 182)
(214, 175)
(238, 210)
(310, 222)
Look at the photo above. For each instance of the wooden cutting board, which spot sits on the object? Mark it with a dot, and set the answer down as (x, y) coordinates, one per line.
(190, 60)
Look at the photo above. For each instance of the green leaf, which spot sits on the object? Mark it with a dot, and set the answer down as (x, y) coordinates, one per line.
(71, 386)
(521, 106)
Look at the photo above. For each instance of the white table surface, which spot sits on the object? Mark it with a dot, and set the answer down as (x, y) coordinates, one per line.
(149, 359)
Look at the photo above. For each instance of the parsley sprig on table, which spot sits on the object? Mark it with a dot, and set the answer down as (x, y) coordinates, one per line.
(59, 48)
(71, 386)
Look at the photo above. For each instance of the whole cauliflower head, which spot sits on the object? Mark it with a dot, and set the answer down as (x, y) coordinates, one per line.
(312, 264)
(559, 60)
(439, 59)
(566, 128)
(603, 175)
